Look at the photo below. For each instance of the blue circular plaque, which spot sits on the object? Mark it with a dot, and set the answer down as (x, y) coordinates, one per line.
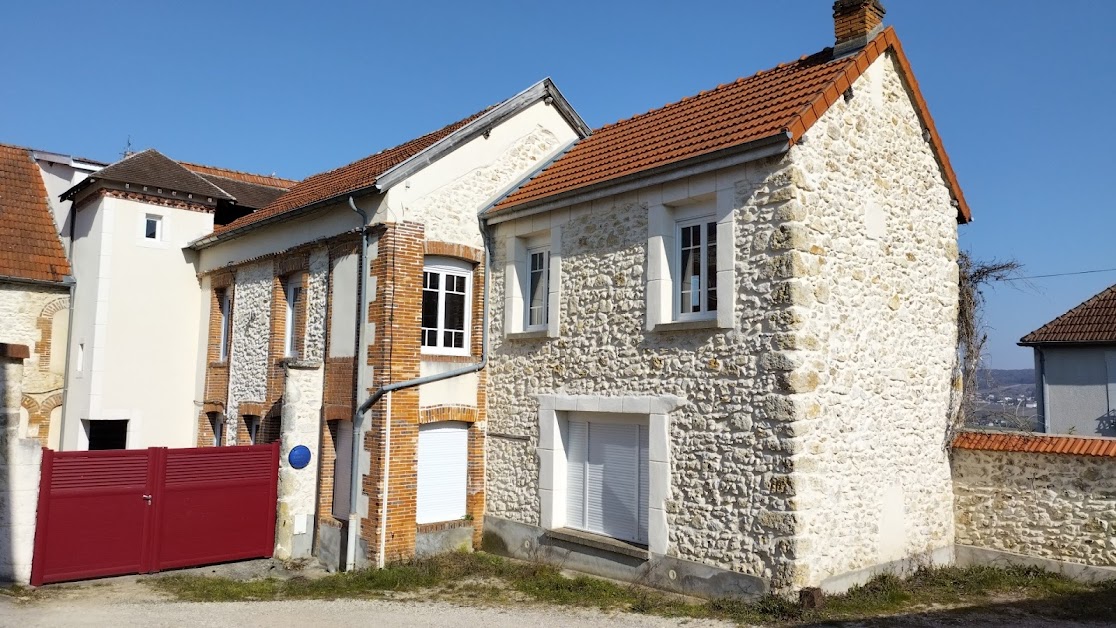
(299, 457)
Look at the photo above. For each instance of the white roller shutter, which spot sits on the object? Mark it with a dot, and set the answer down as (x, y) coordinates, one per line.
(342, 470)
(577, 453)
(644, 484)
(443, 466)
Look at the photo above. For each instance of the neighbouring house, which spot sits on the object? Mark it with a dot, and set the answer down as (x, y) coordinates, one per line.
(35, 277)
(723, 334)
(137, 310)
(1075, 368)
(314, 314)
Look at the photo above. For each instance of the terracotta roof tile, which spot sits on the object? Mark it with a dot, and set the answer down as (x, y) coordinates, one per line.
(1093, 321)
(355, 176)
(1036, 443)
(245, 177)
(29, 244)
(787, 99)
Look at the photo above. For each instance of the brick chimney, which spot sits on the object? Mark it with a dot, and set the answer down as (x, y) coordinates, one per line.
(855, 23)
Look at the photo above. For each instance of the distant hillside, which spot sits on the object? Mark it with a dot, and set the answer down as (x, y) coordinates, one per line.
(990, 378)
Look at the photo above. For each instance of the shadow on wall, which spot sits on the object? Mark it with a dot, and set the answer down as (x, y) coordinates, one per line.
(11, 394)
(1106, 425)
(20, 459)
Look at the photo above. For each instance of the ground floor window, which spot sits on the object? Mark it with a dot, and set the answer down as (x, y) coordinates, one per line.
(252, 426)
(607, 479)
(107, 435)
(342, 432)
(443, 466)
(217, 426)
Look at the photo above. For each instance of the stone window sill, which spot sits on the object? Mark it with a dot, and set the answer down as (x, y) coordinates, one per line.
(443, 525)
(705, 323)
(600, 542)
(297, 363)
(538, 334)
(219, 364)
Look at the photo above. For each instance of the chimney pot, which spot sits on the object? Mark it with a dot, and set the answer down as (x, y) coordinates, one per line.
(855, 22)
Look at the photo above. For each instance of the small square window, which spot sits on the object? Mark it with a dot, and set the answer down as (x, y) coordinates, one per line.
(153, 227)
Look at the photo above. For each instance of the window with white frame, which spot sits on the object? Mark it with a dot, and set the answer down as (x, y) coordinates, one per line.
(217, 424)
(224, 302)
(537, 292)
(695, 290)
(607, 479)
(446, 293)
(292, 290)
(252, 426)
(153, 227)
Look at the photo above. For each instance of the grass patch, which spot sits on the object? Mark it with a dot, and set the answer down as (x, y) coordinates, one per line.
(486, 578)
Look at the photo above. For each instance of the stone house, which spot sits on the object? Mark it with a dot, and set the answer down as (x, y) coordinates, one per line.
(133, 360)
(724, 332)
(336, 300)
(1075, 368)
(35, 277)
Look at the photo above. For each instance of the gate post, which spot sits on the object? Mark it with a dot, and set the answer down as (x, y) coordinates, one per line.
(298, 487)
(20, 462)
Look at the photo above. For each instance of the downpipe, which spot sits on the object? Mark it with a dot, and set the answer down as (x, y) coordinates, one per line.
(379, 393)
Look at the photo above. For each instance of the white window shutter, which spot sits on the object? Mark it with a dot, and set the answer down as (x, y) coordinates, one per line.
(342, 468)
(613, 480)
(644, 484)
(576, 455)
(443, 467)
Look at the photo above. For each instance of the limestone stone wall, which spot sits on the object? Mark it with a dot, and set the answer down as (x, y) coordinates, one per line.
(1056, 506)
(728, 504)
(450, 212)
(873, 250)
(317, 284)
(36, 316)
(251, 331)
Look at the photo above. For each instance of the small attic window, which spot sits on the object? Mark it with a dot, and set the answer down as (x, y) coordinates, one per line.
(153, 227)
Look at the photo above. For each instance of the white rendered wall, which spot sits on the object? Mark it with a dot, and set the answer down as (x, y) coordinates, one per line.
(141, 337)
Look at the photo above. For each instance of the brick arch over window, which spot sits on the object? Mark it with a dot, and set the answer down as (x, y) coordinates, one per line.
(30, 405)
(450, 249)
(45, 324)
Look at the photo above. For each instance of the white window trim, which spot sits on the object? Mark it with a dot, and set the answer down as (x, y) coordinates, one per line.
(528, 273)
(224, 303)
(676, 270)
(662, 256)
(158, 227)
(553, 425)
(290, 284)
(517, 282)
(459, 268)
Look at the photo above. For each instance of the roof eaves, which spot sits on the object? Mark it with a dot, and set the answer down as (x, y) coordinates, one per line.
(542, 90)
(724, 158)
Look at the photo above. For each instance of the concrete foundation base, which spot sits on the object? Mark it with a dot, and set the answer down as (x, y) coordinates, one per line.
(843, 582)
(451, 539)
(527, 542)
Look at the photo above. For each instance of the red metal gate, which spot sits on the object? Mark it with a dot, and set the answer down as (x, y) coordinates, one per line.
(104, 513)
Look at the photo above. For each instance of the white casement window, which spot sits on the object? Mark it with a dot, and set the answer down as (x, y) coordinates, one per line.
(538, 288)
(447, 287)
(292, 289)
(607, 479)
(153, 227)
(224, 302)
(443, 466)
(695, 290)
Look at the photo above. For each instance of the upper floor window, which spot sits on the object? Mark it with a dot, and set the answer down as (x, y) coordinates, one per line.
(695, 292)
(446, 292)
(292, 290)
(538, 275)
(153, 227)
(224, 302)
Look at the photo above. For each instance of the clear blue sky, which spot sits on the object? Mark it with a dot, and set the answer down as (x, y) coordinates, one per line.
(1021, 94)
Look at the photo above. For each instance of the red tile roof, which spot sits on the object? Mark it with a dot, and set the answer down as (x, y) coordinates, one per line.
(1036, 443)
(244, 177)
(358, 175)
(29, 244)
(784, 100)
(1092, 321)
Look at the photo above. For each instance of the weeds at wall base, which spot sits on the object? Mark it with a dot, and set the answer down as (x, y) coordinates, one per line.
(486, 579)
